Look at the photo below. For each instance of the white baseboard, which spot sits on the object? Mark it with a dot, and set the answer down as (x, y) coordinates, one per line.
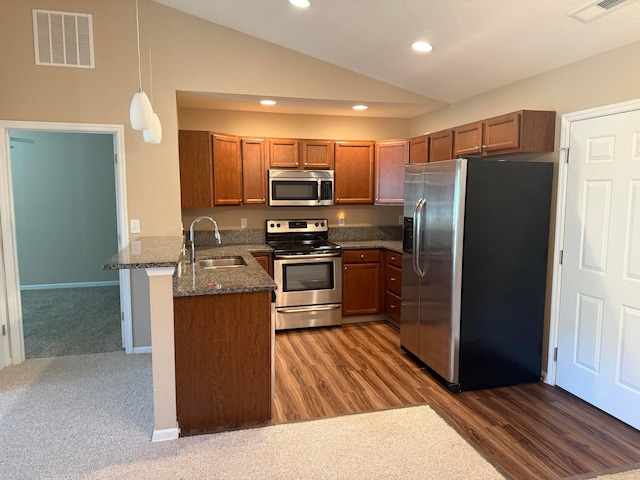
(141, 350)
(52, 286)
(166, 434)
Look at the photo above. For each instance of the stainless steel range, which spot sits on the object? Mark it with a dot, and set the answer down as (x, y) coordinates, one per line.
(308, 271)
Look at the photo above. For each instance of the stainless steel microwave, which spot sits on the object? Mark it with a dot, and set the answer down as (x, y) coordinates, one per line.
(300, 188)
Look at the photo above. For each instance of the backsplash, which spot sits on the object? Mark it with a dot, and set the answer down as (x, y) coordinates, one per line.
(256, 236)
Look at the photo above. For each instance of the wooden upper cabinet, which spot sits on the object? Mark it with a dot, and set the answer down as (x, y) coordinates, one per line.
(419, 149)
(524, 131)
(391, 157)
(318, 154)
(354, 172)
(254, 171)
(441, 146)
(227, 170)
(196, 169)
(467, 139)
(284, 153)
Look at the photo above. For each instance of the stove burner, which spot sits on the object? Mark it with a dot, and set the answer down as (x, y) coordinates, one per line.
(300, 237)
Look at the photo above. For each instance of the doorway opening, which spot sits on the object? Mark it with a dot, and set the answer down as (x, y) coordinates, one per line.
(63, 213)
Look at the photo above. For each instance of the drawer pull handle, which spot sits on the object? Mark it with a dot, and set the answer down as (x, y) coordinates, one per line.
(393, 279)
(392, 306)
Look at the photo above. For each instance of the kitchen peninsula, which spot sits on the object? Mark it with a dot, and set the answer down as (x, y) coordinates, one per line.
(211, 333)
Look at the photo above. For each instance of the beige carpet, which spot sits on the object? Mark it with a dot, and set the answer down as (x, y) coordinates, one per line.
(91, 417)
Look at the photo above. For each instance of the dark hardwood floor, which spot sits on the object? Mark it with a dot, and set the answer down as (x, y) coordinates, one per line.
(531, 431)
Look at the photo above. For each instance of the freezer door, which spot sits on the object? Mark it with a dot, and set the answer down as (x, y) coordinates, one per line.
(414, 192)
(440, 289)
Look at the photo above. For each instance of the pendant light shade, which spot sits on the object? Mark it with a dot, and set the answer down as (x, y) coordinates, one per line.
(153, 134)
(141, 112)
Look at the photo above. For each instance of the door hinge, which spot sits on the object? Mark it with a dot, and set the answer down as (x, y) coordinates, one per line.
(555, 354)
(561, 256)
(115, 158)
(122, 316)
(4, 330)
(566, 158)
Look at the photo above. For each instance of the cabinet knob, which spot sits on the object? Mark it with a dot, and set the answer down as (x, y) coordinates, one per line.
(484, 146)
(264, 199)
(392, 306)
(346, 268)
(478, 148)
(393, 279)
(392, 257)
(361, 255)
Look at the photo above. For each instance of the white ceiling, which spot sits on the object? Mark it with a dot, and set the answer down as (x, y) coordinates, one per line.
(478, 45)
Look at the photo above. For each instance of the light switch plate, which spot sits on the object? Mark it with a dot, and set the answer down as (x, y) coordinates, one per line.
(135, 226)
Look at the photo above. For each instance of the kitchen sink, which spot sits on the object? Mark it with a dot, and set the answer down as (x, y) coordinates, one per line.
(223, 262)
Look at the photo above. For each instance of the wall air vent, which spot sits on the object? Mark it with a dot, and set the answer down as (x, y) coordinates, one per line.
(63, 39)
(597, 9)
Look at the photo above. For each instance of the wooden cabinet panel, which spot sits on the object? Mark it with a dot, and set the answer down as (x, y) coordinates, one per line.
(318, 154)
(441, 146)
(227, 170)
(393, 306)
(254, 172)
(393, 280)
(266, 261)
(525, 131)
(468, 140)
(419, 149)
(196, 169)
(360, 256)
(354, 172)
(361, 282)
(393, 258)
(223, 361)
(391, 157)
(284, 153)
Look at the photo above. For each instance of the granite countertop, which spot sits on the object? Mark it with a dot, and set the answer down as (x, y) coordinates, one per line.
(190, 279)
(160, 252)
(393, 245)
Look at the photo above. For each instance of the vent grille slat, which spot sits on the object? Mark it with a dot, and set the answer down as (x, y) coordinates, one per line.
(63, 39)
(598, 8)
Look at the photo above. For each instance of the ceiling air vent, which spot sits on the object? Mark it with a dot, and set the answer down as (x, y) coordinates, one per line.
(63, 39)
(597, 9)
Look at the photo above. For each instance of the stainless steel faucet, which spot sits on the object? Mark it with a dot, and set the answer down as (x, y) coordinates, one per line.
(191, 239)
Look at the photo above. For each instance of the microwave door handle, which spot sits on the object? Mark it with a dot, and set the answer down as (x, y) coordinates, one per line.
(319, 191)
(417, 237)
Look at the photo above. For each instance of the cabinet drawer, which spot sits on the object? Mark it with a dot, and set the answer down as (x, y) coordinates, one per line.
(393, 280)
(393, 258)
(392, 306)
(360, 256)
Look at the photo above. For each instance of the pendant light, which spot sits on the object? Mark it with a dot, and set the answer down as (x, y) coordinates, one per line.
(140, 111)
(154, 133)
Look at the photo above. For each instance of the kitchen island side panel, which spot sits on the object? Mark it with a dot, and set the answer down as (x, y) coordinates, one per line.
(223, 361)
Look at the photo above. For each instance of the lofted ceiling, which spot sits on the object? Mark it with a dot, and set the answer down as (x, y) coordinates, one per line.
(478, 45)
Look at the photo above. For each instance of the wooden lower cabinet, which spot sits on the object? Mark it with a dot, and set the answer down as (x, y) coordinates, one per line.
(393, 285)
(223, 361)
(266, 261)
(361, 282)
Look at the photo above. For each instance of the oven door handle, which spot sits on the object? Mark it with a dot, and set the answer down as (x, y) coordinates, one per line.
(295, 257)
(309, 309)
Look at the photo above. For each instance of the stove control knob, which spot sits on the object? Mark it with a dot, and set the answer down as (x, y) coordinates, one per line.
(322, 224)
(271, 225)
(317, 224)
(278, 225)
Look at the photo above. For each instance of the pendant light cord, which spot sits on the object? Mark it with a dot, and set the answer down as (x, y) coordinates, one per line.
(149, 42)
(138, 38)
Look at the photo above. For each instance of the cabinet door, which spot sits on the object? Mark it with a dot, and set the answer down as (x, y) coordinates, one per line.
(254, 172)
(284, 153)
(196, 169)
(441, 146)
(265, 260)
(419, 149)
(391, 157)
(361, 289)
(354, 173)
(317, 154)
(227, 170)
(502, 133)
(467, 140)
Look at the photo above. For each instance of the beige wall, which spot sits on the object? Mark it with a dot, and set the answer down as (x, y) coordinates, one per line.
(610, 77)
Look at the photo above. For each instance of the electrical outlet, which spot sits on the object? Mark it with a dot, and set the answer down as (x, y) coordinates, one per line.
(341, 221)
(135, 226)
(243, 223)
(400, 220)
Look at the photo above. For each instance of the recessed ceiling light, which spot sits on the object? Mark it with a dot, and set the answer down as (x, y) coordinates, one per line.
(421, 46)
(300, 3)
(360, 107)
(268, 102)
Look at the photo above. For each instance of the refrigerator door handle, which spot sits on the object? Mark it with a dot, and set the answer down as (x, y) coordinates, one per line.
(417, 237)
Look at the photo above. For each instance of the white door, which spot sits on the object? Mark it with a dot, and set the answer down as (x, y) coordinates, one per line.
(5, 359)
(599, 321)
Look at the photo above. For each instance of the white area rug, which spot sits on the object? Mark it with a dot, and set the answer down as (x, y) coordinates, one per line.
(90, 417)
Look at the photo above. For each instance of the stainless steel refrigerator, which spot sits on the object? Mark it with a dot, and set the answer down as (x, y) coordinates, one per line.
(474, 268)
